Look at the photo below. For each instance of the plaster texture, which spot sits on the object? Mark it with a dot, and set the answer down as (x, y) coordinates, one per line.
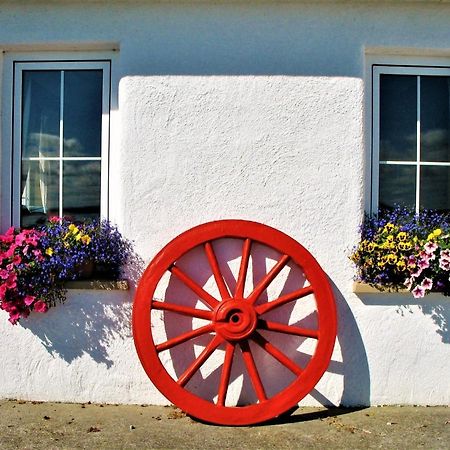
(255, 111)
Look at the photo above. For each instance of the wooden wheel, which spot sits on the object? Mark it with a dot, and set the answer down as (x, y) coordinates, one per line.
(237, 327)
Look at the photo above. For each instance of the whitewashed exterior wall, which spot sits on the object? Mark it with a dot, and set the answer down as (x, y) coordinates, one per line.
(234, 111)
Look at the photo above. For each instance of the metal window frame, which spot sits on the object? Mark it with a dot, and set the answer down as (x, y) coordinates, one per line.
(61, 66)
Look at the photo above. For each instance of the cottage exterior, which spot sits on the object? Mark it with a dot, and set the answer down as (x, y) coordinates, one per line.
(266, 111)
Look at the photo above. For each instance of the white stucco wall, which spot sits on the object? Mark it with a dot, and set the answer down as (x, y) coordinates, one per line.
(250, 111)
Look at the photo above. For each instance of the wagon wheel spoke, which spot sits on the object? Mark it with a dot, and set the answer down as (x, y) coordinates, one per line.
(264, 283)
(299, 293)
(223, 289)
(225, 376)
(240, 284)
(253, 371)
(206, 298)
(204, 355)
(184, 337)
(184, 310)
(277, 354)
(287, 329)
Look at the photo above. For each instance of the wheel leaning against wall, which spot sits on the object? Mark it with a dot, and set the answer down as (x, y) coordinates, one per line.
(235, 324)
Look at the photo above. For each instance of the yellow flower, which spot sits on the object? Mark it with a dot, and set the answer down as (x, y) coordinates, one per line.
(431, 236)
(78, 236)
(86, 239)
(389, 227)
(402, 236)
(437, 232)
(371, 247)
(381, 263)
(49, 251)
(401, 265)
(391, 258)
(390, 238)
(404, 245)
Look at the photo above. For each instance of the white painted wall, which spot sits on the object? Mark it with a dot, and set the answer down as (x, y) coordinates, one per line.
(234, 111)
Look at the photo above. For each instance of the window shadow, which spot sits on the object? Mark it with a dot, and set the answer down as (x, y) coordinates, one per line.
(436, 306)
(87, 323)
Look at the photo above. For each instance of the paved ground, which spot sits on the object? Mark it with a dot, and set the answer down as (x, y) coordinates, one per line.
(32, 425)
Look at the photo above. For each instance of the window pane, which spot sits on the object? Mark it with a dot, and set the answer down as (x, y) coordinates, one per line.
(435, 188)
(397, 186)
(398, 117)
(434, 118)
(81, 189)
(40, 113)
(82, 112)
(40, 191)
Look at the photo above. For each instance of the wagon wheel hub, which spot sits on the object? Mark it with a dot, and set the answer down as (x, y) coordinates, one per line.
(235, 320)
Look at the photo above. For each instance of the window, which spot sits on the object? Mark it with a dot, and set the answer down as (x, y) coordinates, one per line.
(411, 137)
(60, 140)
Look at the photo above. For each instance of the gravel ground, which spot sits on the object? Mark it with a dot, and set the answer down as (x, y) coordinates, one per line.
(35, 425)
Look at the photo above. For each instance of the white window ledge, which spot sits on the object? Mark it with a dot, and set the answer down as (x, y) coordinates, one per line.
(106, 285)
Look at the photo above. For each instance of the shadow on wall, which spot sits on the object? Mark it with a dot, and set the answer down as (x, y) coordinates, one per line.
(87, 323)
(302, 313)
(434, 305)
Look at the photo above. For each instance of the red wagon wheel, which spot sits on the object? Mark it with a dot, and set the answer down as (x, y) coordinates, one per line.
(238, 325)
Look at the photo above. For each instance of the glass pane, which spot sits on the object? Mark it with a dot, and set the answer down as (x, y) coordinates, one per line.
(82, 112)
(435, 188)
(435, 118)
(397, 186)
(81, 189)
(40, 113)
(40, 191)
(398, 117)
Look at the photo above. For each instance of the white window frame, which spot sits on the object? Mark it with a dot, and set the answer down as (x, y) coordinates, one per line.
(414, 70)
(13, 65)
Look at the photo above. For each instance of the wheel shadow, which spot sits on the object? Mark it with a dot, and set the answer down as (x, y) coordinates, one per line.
(349, 366)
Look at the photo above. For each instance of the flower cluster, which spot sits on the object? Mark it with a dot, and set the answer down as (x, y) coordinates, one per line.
(34, 263)
(401, 249)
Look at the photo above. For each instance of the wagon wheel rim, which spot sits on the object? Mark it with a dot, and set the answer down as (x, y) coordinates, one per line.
(235, 321)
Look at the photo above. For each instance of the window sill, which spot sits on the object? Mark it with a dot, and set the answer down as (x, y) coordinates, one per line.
(99, 285)
(363, 288)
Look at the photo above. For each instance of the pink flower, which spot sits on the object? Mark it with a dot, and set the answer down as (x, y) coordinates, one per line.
(444, 264)
(20, 238)
(418, 292)
(17, 260)
(29, 299)
(10, 252)
(40, 306)
(14, 317)
(55, 219)
(445, 253)
(4, 274)
(417, 272)
(430, 247)
(8, 237)
(3, 289)
(427, 283)
(11, 282)
(25, 250)
(424, 263)
(408, 283)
